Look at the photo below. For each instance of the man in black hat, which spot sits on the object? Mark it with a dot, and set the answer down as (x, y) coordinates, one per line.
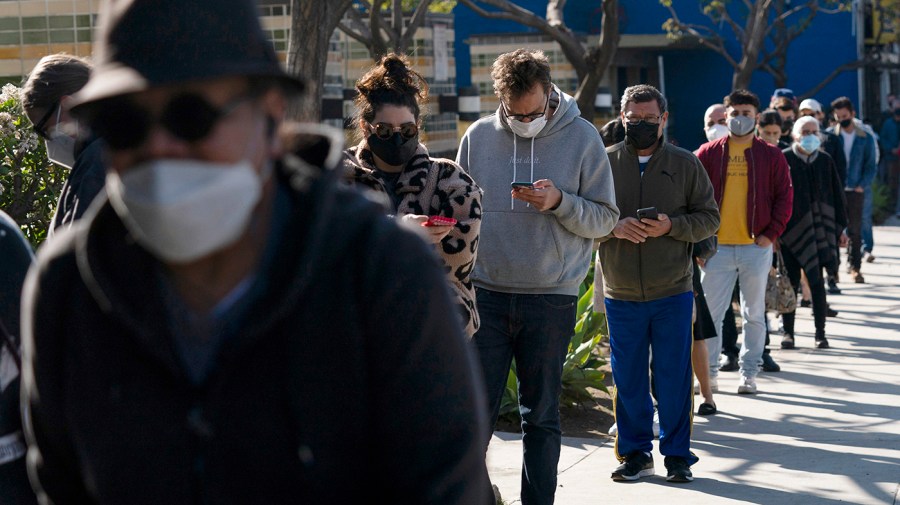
(227, 326)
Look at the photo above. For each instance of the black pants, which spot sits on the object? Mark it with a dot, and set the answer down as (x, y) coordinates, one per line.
(854, 228)
(816, 287)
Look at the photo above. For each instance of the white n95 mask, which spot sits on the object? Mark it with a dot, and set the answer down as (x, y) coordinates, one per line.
(182, 210)
(527, 130)
(716, 131)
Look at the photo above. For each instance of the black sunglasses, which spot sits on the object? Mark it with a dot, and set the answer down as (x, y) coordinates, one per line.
(785, 107)
(385, 131)
(39, 126)
(123, 124)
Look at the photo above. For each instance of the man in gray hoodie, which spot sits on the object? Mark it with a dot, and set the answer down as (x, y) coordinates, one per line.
(535, 245)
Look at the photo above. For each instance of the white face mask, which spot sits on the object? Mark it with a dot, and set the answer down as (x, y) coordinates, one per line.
(716, 131)
(530, 129)
(60, 147)
(183, 210)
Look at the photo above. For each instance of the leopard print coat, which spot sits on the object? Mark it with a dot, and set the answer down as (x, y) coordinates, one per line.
(434, 187)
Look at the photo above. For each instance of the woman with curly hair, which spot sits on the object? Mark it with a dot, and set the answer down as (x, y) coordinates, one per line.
(434, 194)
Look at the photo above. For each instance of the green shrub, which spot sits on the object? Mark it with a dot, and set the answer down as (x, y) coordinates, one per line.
(581, 369)
(881, 202)
(29, 182)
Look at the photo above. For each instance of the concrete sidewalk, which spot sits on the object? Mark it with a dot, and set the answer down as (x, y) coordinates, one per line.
(824, 430)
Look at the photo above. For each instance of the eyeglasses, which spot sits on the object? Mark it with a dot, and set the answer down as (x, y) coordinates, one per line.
(785, 108)
(123, 124)
(39, 126)
(636, 120)
(529, 117)
(385, 131)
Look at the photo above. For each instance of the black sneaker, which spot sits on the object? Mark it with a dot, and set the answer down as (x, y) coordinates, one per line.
(729, 363)
(637, 464)
(678, 469)
(805, 303)
(787, 341)
(768, 364)
(833, 288)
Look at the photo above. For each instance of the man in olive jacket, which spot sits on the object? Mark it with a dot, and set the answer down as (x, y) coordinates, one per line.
(666, 204)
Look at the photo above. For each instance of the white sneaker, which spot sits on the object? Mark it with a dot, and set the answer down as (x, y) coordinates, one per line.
(613, 430)
(747, 386)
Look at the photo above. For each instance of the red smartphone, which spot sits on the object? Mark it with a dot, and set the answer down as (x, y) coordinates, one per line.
(439, 221)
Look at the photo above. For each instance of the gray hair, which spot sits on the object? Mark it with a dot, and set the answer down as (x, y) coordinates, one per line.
(800, 123)
(641, 93)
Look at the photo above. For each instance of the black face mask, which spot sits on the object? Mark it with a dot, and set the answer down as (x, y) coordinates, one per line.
(643, 135)
(846, 122)
(786, 125)
(396, 151)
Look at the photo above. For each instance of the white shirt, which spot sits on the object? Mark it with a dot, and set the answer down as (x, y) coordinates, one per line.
(848, 143)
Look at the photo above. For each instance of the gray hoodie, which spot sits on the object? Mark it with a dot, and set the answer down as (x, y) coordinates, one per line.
(522, 250)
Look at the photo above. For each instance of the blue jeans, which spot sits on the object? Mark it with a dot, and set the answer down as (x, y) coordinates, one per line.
(535, 330)
(750, 264)
(663, 325)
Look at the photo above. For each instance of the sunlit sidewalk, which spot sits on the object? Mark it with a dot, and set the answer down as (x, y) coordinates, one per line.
(825, 430)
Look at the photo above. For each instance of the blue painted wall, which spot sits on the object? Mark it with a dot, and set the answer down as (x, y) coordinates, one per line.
(696, 78)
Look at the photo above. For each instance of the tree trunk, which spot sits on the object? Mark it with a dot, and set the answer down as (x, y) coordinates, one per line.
(598, 58)
(755, 35)
(312, 23)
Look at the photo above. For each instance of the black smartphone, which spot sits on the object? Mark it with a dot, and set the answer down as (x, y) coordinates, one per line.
(526, 185)
(647, 213)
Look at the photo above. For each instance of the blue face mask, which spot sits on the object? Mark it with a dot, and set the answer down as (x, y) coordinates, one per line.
(810, 143)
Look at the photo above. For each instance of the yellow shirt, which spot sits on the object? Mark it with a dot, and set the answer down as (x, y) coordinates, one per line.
(734, 229)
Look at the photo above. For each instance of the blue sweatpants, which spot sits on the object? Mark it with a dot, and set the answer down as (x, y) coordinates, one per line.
(634, 328)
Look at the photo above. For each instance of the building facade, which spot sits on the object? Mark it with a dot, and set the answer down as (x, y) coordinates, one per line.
(32, 29)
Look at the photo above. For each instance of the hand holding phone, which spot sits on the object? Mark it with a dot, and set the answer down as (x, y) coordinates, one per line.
(648, 213)
(439, 221)
(521, 185)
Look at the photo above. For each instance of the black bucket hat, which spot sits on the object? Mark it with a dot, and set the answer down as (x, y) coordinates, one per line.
(147, 43)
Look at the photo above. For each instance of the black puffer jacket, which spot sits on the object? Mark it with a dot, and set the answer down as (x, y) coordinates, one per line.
(348, 385)
(15, 258)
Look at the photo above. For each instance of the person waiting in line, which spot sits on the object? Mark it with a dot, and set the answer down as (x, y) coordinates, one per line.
(818, 211)
(45, 97)
(715, 122)
(768, 128)
(784, 102)
(833, 145)
(392, 159)
(15, 258)
(666, 203)
(227, 325)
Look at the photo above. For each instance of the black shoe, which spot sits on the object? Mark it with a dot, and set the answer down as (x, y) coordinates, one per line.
(805, 303)
(678, 470)
(787, 341)
(822, 343)
(706, 409)
(729, 364)
(833, 288)
(637, 464)
(768, 364)
(829, 312)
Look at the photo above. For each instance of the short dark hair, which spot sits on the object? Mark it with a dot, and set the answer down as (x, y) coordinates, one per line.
(842, 103)
(516, 72)
(769, 117)
(641, 93)
(741, 97)
(54, 76)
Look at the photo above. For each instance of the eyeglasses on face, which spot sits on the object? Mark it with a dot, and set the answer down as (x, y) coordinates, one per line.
(530, 117)
(636, 120)
(123, 124)
(785, 108)
(39, 126)
(385, 131)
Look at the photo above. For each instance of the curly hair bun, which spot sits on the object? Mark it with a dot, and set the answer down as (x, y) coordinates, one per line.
(391, 81)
